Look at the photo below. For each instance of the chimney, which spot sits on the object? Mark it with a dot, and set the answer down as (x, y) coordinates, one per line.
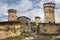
(37, 20)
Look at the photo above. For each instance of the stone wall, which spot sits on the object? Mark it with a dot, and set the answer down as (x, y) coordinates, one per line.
(46, 28)
(9, 30)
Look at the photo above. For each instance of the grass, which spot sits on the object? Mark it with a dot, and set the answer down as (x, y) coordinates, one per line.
(21, 37)
(14, 38)
(57, 39)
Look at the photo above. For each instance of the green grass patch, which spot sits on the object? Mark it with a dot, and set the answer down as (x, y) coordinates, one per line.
(14, 38)
(57, 39)
(20, 37)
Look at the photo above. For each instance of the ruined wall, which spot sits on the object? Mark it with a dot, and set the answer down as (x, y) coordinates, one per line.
(25, 23)
(9, 30)
(46, 28)
(25, 27)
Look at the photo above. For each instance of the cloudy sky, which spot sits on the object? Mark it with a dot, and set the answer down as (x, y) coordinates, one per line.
(28, 8)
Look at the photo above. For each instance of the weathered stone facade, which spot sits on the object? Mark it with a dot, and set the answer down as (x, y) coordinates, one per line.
(12, 15)
(9, 29)
(18, 25)
(49, 28)
(25, 23)
(49, 12)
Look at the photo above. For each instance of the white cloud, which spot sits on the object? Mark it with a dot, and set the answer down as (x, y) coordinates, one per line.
(22, 6)
(3, 9)
(57, 1)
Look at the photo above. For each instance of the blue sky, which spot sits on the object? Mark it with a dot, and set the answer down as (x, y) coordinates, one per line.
(28, 8)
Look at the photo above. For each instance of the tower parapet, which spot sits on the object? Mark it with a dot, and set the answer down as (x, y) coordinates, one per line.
(49, 12)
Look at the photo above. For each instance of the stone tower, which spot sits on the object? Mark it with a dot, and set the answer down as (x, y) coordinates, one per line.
(37, 20)
(49, 12)
(12, 15)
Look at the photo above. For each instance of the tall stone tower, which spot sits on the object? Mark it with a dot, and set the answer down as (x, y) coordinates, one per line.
(12, 15)
(49, 12)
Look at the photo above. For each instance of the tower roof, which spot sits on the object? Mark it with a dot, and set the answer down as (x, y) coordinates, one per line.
(49, 4)
(37, 17)
(12, 10)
